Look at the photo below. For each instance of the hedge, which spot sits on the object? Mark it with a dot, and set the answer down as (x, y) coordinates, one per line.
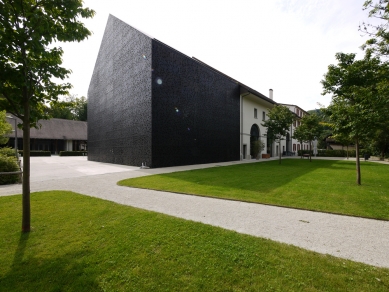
(334, 153)
(7, 151)
(73, 153)
(36, 153)
(8, 164)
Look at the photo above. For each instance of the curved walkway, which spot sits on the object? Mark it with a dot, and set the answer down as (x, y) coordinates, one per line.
(358, 239)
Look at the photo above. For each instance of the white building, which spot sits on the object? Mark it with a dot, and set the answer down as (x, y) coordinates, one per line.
(254, 109)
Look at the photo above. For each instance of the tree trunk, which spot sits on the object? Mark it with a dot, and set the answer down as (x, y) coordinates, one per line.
(26, 213)
(310, 151)
(279, 150)
(301, 149)
(347, 152)
(357, 162)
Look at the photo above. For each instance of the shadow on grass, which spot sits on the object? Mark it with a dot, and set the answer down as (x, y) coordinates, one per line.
(261, 177)
(65, 273)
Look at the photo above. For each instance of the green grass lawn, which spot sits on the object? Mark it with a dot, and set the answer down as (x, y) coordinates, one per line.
(80, 243)
(321, 185)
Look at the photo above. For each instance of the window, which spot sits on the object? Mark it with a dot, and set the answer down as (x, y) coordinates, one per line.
(294, 123)
(263, 116)
(294, 147)
(255, 114)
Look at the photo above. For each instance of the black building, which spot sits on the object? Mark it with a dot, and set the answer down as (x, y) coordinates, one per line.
(148, 103)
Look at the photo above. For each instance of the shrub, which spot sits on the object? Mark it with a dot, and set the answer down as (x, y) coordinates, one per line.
(7, 151)
(8, 164)
(73, 153)
(36, 153)
(334, 153)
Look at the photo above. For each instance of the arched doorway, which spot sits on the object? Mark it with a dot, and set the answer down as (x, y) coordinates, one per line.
(254, 136)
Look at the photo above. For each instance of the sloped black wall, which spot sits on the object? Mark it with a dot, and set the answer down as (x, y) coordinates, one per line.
(119, 97)
(195, 111)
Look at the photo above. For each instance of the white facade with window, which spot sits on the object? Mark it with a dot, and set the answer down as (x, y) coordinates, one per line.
(253, 110)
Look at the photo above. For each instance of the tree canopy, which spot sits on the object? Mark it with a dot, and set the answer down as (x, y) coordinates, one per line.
(71, 108)
(279, 120)
(360, 91)
(309, 130)
(29, 62)
(378, 30)
(5, 128)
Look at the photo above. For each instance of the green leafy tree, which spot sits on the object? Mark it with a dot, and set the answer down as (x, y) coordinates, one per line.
(278, 123)
(344, 140)
(60, 110)
(70, 108)
(299, 135)
(29, 62)
(5, 128)
(310, 129)
(378, 32)
(358, 98)
(81, 109)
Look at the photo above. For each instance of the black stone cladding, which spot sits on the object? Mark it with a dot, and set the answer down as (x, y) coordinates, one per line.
(119, 97)
(150, 103)
(195, 114)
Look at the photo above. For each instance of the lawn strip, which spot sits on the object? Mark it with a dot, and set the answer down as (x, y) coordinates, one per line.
(320, 185)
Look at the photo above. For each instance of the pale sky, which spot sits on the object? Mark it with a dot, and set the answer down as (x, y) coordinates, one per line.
(285, 45)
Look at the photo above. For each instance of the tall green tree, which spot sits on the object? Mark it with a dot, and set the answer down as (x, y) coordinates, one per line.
(69, 108)
(358, 98)
(80, 109)
(309, 130)
(5, 128)
(344, 140)
(60, 110)
(29, 61)
(378, 31)
(278, 123)
(299, 135)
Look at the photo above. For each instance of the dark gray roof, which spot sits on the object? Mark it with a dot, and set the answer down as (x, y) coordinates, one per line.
(55, 129)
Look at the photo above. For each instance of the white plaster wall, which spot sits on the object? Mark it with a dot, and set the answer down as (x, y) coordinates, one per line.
(248, 103)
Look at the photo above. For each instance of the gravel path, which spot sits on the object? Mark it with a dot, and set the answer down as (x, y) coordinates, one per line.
(358, 239)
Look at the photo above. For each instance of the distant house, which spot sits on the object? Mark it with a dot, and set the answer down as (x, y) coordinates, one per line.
(53, 135)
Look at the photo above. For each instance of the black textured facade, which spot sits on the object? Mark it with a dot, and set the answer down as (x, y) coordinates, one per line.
(149, 103)
(119, 97)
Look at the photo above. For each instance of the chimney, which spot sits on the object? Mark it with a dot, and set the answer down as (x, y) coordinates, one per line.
(271, 93)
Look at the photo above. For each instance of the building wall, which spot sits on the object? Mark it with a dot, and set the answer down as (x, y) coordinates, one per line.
(119, 97)
(195, 111)
(249, 103)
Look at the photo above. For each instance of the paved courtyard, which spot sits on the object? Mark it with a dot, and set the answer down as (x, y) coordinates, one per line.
(358, 239)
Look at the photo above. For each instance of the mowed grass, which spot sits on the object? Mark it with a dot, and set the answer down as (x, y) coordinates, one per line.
(320, 185)
(80, 243)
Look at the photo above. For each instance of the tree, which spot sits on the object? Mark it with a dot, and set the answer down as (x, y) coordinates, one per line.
(71, 108)
(81, 109)
(278, 123)
(60, 110)
(257, 147)
(299, 135)
(309, 130)
(360, 93)
(29, 62)
(343, 140)
(378, 32)
(5, 128)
